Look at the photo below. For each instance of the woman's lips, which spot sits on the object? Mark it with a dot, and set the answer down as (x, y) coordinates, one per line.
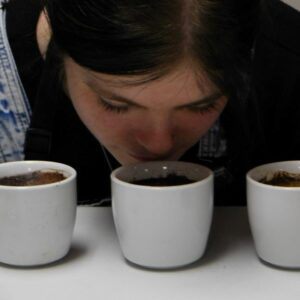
(141, 157)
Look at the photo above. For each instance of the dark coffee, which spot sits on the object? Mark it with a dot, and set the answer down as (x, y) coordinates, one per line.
(33, 178)
(282, 178)
(170, 180)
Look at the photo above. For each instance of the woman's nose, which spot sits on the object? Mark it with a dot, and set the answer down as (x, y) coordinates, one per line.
(157, 139)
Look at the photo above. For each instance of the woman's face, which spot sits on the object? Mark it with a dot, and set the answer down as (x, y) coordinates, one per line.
(157, 120)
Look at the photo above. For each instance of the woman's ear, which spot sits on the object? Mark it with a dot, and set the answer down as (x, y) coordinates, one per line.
(43, 33)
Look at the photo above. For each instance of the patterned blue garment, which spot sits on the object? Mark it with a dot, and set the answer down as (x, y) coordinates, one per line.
(14, 106)
(213, 144)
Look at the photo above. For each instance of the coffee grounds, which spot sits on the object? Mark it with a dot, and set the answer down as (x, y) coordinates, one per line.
(170, 180)
(33, 178)
(282, 178)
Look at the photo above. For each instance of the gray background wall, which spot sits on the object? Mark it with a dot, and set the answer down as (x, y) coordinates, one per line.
(293, 3)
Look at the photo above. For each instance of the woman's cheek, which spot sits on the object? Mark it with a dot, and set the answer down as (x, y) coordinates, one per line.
(109, 126)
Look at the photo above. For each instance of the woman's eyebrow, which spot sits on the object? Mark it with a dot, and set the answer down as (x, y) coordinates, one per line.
(203, 101)
(109, 94)
(112, 96)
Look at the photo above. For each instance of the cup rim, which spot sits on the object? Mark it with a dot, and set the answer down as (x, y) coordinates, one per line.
(172, 187)
(275, 187)
(48, 164)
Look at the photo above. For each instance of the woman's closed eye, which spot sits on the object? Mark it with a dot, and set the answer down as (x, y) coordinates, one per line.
(113, 105)
(117, 106)
(200, 108)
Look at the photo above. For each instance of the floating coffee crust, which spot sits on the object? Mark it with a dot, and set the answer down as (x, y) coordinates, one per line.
(170, 180)
(33, 178)
(282, 178)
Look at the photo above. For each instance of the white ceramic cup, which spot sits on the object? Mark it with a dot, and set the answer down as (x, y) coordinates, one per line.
(162, 227)
(36, 222)
(274, 215)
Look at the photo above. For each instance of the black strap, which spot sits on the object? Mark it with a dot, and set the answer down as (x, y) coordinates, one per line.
(38, 139)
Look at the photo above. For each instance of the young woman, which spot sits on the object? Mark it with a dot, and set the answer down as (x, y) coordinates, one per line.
(102, 83)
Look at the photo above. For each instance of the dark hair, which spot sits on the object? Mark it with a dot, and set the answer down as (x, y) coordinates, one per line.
(149, 37)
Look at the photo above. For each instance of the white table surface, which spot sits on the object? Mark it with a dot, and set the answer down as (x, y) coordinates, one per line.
(95, 268)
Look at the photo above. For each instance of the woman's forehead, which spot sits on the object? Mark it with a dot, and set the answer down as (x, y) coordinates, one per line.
(178, 88)
(184, 75)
